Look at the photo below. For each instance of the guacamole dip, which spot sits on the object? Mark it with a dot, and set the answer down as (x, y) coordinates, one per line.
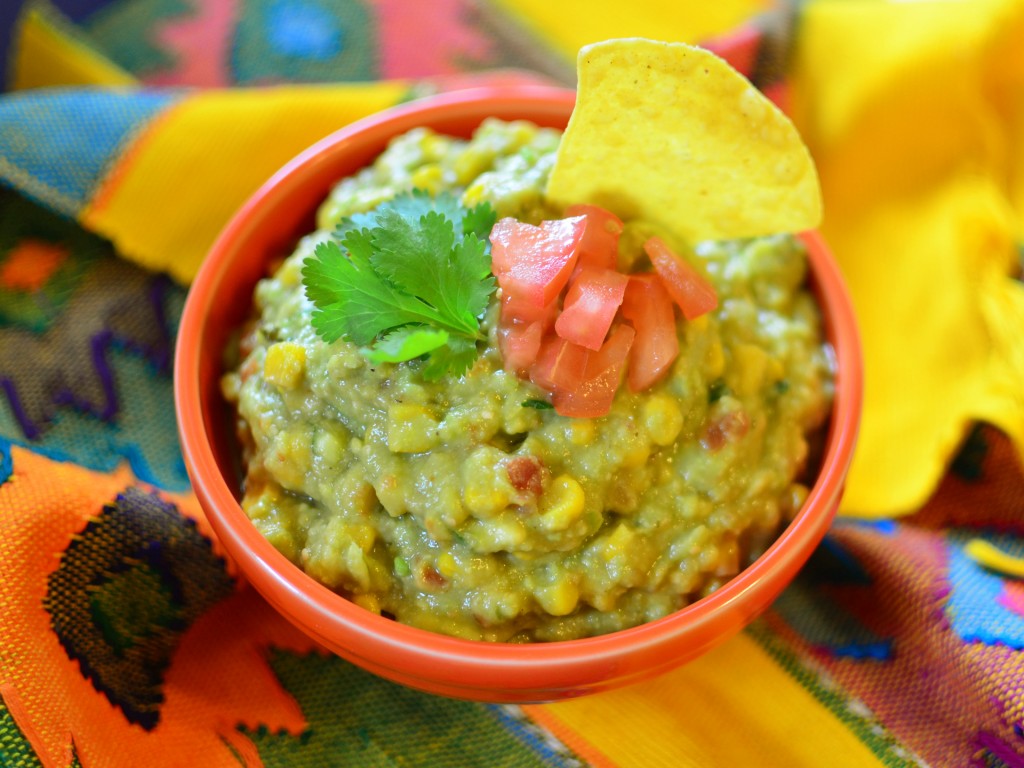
(465, 505)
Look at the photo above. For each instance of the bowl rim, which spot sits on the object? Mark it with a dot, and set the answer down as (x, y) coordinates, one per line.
(471, 668)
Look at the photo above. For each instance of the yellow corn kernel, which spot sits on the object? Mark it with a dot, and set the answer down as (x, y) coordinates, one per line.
(558, 599)
(354, 562)
(473, 195)
(663, 419)
(428, 177)
(285, 364)
(699, 324)
(471, 164)
(619, 542)
(522, 133)
(714, 361)
(289, 457)
(329, 447)
(562, 503)
(368, 601)
(582, 431)
(484, 498)
(447, 566)
(485, 486)
(411, 428)
(363, 535)
(364, 499)
(751, 367)
(636, 454)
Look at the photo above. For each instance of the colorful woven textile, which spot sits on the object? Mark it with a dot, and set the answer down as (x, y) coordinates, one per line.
(129, 132)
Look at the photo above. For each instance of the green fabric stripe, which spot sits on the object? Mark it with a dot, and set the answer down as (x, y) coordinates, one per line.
(858, 719)
(356, 718)
(15, 751)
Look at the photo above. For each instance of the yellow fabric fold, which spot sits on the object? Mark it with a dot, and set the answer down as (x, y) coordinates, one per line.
(684, 718)
(568, 25)
(183, 177)
(908, 109)
(47, 55)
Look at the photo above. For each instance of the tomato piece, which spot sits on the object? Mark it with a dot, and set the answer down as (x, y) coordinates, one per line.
(648, 307)
(515, 309)
(590, 305)
(559, 365)
(533, 263)
(595, 393)
(519, 344)
(688, 287)
(600, 245)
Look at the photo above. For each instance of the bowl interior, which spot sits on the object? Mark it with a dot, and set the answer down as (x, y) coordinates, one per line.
(266, 228)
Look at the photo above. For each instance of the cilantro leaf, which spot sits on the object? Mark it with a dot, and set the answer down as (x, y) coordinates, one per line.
(479, 220)
(410, 278)
(455, 357)
(351, 299)
(407, 343)
(537, 405)
(453, 279)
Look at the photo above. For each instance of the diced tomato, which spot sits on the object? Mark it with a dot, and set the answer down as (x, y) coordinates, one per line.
(727, 428)
(593, 397)
(688, 287)
(648, 307)
(590, 305)
(559, 365)
(514, 309)
(526, 473)
(600, 245)
(519, 344)
(533, 263)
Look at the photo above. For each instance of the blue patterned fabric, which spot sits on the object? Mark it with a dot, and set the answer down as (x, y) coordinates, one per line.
(83, 128)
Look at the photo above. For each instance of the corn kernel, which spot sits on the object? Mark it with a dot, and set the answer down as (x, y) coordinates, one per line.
(411, 428)
(363, 535)
(619, 542)
(699, 324)
(751, 367)
(636, 454)
(474, 195)
(714, 360)
(290, 455)
(364, 499)
(434, 146)
(485, 487)
(368, 601)
(290, 274)
(285, 364)
(562, 503)
(447, 565)
(484, 499)
(582, 431)
(428, 177)
(558, 599)
(355, 563)
(329, 447)
(663, 419)
(470, 164)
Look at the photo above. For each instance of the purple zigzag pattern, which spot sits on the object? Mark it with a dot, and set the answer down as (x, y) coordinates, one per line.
(992, 746)
(156, 351)
(158, 354)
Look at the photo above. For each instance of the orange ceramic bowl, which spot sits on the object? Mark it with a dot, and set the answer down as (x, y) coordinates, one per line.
(267, 227)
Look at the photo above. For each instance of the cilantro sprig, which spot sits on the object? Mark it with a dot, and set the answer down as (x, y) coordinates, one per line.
(409, 279)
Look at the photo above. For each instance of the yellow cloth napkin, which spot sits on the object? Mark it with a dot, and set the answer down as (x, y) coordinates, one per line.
(913, 112)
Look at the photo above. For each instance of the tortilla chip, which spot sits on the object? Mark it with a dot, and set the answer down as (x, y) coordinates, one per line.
(672, 134)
